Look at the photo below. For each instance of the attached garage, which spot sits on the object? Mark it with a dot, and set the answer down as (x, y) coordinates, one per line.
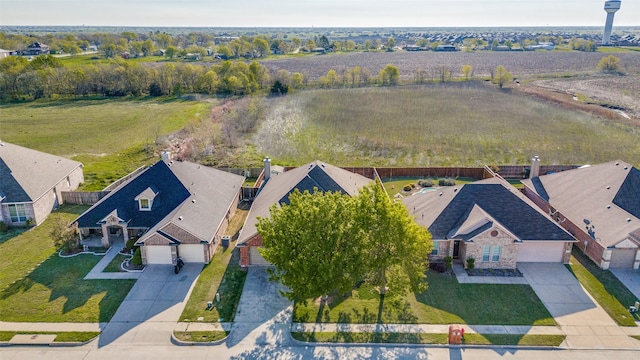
(158, 254)
(622, 258)
(191, 253)
(541, 251)
(256, 258)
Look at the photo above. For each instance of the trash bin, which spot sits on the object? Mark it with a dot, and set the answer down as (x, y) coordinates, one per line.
(225, 241)
(455, 335)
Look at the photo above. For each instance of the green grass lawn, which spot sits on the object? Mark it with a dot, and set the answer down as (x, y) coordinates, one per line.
(56, 292)
(395, 185)
(200, 336)
(10, 234)
(114, 265)
(110, 137)
(445, 302)
(20, 254)
(223, 275)
(422, 338)
(64, 336)
(605, 287)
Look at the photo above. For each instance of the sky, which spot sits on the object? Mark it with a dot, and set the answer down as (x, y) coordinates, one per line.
(315, 13)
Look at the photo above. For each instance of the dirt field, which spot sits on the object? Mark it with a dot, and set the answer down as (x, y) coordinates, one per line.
(520, 64)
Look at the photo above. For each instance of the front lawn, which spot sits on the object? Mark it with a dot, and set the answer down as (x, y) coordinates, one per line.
(222, 275)
(445, 302)
(605, 288)
(114, 265)
(56, 292)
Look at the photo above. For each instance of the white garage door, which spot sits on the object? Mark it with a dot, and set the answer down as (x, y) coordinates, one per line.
(541, 251)
(191, 253)
(256, 258)
(622, 258)
(158, 254)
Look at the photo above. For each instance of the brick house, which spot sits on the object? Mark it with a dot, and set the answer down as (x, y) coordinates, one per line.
(276, 190)
(491, 222)
(599, 205)
(31, 183)
(173, 208)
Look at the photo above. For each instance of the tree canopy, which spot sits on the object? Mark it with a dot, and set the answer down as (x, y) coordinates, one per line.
(322, 243)
(501, 76)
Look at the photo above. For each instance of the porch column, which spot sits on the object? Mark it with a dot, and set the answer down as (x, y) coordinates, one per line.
(105, 236)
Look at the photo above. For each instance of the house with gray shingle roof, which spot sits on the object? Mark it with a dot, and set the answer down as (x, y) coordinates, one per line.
(31, 183)
(316, 176)
(491, 222)
(599, 205)
(175, 209)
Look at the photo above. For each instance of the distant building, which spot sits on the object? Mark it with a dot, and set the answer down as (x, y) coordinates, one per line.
(36, 49)
(542, 46)
(7, 53)
(446, 48)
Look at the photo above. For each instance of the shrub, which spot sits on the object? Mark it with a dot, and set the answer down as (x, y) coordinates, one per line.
(130, 243)
(425, 183)
(446, 182)
(3, 226)
(471, 263)
(407, 187)
(448, 262)
(137, 257)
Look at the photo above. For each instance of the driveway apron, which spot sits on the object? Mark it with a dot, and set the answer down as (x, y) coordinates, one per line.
(153, 306)
(263, 315)
(586, 324)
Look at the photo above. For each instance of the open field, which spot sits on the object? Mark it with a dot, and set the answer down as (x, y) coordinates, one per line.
(445, 302)
(520, 64)
(108, 136)
(466, 124)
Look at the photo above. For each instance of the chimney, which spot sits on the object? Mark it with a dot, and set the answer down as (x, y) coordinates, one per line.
(535, 167)
(267, 168)
(166, 156)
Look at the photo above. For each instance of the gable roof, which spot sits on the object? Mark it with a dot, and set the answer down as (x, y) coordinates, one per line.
(607, 195)
(324, 177)
(462, 212)
(27, 174)
(191, 202)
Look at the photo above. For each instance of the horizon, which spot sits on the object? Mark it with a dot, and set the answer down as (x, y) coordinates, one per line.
(315, 14)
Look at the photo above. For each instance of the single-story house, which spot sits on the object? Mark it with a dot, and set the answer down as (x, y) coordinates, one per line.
(31, 183)
(491, 222)
(276, 190)
(175, 209)
(599, 205)
(36, 49)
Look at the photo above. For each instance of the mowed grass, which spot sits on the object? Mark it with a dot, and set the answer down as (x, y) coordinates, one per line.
(63, 336)
(605, 288)
(110, 137)
(445, 302)
(468, 124)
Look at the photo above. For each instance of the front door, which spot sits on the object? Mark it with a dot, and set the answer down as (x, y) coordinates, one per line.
(456, 249)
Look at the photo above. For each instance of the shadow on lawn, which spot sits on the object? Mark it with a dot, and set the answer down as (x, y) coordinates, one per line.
(63, 279)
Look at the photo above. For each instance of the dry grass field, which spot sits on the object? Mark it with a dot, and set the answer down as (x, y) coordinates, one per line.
(437, 125)
(521, 64)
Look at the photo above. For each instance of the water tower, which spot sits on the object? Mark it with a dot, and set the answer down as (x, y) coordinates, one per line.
(610, 7)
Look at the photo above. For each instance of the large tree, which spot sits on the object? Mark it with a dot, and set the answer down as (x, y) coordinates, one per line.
(501, 76)
(396, 247)
(313, 244)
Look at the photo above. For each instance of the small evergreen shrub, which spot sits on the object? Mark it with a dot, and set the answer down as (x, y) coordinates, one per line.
(425, 183)
(407, 187)
(471, 263)
(130, 243)
(137, 257)
(446, 182)
(448, 262)
(3, 227)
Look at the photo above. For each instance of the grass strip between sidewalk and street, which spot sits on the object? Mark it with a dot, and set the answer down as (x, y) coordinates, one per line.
(423, 338)
(200, 336)
(62, 336)
(605, 288)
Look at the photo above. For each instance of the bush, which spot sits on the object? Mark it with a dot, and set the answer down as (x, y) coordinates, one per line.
(448, 262)
(425, 183)
(437, 266)
(130, 243)
(3, 227)
(471, 263)
(407, 187)
(137, 257)
(446, 182)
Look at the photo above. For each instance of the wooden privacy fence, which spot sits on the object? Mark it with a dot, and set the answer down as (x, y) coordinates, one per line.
(82, 198)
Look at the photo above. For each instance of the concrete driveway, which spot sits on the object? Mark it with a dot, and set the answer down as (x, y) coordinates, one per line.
(264, 315)
(586, 324)
(149, 312)
(630, 278)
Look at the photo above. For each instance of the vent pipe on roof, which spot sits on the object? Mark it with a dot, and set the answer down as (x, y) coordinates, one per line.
(535, 167)
(267, 168)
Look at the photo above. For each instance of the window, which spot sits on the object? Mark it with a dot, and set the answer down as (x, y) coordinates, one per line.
(486, 250)
(17, 213)
(495, 253)
(436, 247)
(144, 204)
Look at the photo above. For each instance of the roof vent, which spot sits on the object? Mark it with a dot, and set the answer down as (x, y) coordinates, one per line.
(608, 187)
(193, 201)
(441, 193)
(608, 206)
(456, 189)
(617, 163)
(628, 219)
(180, 218)
(626, 167)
